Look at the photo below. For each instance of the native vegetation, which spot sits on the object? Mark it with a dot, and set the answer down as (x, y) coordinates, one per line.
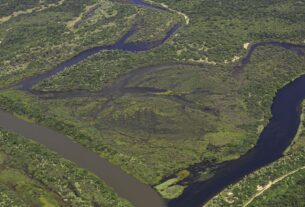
(31, 175)
(208, 111)
(279, 184)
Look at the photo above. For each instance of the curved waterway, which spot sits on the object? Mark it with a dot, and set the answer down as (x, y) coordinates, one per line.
(121, 44)
(273, 141)
(137, 193)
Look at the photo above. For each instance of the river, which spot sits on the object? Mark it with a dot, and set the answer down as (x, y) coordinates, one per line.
(273, 141)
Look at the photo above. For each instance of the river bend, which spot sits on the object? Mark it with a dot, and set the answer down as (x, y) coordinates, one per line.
(273, 141)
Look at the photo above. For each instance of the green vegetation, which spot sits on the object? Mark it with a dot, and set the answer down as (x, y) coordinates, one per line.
(218, 122)
(28, 178)
(7, 7)
(104, 21)
(279, 184)
(218, 29)
(38, 40)
(209, 111)
(169, 189)
(99, 71)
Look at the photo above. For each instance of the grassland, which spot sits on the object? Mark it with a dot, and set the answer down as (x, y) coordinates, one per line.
(208, 112)
(28, 178)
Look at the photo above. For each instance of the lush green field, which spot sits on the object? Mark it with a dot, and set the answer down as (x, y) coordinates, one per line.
(209, 111)
(31, 175)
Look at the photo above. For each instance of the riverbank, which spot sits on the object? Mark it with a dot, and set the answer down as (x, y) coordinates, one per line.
(188, 113)
(28, 177)
(112, 175)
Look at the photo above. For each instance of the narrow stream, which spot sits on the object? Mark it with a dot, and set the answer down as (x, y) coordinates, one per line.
(273, 141)
(124, 185)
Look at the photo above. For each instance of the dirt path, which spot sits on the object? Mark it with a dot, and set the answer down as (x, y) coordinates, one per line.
(28, 11)
(186, 18)
(261, 190)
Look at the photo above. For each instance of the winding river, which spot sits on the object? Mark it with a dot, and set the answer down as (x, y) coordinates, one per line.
(124, 185)
(273, 141)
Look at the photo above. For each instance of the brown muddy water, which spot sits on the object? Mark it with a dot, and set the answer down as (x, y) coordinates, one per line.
(139, 194)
